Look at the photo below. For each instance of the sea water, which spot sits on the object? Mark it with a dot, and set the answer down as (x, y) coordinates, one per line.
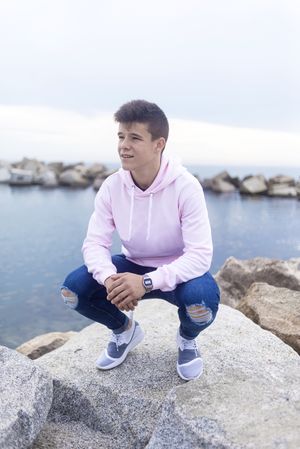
(41, 233)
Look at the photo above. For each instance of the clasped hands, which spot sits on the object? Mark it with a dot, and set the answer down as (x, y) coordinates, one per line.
(124, 290)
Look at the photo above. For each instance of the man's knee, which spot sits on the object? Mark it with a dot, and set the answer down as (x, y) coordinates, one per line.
(70, 298)
(200, 314)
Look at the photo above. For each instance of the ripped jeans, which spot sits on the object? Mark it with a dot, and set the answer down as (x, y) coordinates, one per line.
(197, 300)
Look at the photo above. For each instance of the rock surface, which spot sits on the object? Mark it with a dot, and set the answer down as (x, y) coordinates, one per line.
(48, 179)
(254, 185)
(275, 309)
(236, 276)
(96, 170)
(73, 178)
(248, 396)
(19, 176)
(282, 179)
(282, 190)
(221, 183)
(222, 186)
(42, 344)
(37, 168)
(57, 167)
(26, 396)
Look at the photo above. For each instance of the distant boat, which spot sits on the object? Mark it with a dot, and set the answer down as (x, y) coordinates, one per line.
(19, 177)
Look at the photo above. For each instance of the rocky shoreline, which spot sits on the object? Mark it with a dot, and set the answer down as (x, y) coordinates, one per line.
(248, 396)
(55, 174)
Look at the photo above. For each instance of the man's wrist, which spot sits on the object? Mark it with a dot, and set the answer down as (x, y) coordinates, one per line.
(107, 279)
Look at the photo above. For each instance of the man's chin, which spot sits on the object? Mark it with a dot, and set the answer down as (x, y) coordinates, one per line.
(124, 167)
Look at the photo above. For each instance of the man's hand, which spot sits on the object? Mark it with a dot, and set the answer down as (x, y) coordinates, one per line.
(124, 290)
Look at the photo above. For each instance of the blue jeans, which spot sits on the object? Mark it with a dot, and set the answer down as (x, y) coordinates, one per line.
(197, 300)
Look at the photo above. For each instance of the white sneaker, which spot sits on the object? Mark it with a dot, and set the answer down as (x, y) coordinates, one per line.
(189, 363)
(119, 346)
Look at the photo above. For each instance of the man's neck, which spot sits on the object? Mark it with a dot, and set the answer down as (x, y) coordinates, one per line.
(144, 179)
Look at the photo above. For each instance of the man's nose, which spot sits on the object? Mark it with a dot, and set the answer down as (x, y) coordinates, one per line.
(125, 143)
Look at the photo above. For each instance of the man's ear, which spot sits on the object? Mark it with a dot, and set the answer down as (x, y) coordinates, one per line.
(160, 144)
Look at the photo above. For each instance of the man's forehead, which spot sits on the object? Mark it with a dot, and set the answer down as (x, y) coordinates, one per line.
(134, 127)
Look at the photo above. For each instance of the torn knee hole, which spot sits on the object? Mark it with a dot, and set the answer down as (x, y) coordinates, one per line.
(70, 298)
(66, 292)
(199, 313)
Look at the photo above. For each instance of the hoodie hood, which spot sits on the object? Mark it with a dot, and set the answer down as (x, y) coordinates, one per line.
(170, 169)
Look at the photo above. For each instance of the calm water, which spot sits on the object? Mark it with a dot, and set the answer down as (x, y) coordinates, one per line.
(41, 233)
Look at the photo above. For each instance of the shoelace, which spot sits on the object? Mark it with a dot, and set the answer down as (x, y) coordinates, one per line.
(189, 344)
(118, 339)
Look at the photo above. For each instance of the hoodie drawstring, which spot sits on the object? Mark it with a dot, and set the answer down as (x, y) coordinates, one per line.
(149, 216)
(131, 212)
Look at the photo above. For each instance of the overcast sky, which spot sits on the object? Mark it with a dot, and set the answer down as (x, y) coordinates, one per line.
(225, 72)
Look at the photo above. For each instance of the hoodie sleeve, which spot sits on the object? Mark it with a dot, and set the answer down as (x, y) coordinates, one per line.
(198, 248)
(98, 241)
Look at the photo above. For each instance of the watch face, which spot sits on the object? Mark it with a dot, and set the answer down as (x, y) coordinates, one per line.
(147, 282)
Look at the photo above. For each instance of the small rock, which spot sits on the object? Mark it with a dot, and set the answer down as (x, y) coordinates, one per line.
(42, 344)
(282, 190)
(96, 170)
(254, 185)
(221, 186)
(73, 178)
(221, 183)
(36, 167)
(49, 179)
(282, 179)
(57, 167)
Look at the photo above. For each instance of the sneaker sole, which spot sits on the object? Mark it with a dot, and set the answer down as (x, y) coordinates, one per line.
(188, 378)
(138, 337)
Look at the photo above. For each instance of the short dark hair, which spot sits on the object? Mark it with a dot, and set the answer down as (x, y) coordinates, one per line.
(142, 111)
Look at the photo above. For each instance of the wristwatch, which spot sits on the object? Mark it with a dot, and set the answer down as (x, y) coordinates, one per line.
(147, 283)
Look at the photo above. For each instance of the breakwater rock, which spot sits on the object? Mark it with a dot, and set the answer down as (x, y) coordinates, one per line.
(237, 275)
(267, 291)
(276, 186)
(55, 174)
(79, 175)
(275, 309)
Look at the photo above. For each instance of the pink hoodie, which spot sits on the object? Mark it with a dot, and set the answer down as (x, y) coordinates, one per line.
(165, 226)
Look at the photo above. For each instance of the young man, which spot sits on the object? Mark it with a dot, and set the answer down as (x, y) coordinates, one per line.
(159, 212)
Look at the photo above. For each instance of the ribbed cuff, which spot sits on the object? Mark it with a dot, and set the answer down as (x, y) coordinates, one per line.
(101, 278)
